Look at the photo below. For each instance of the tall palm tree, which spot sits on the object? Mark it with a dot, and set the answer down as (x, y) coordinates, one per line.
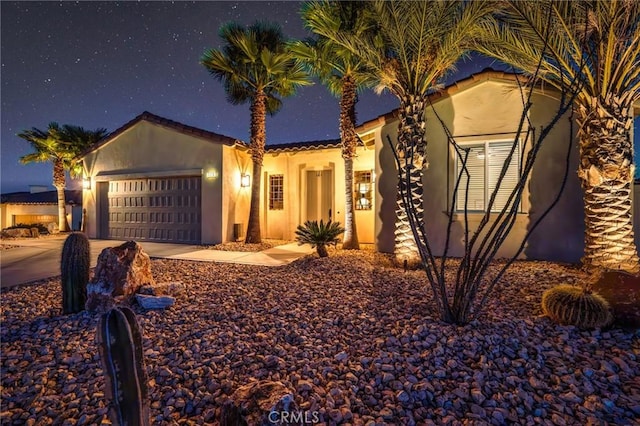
(60, 145)
(411, 48)
(344, 74)
(255, 66)
(596, 42)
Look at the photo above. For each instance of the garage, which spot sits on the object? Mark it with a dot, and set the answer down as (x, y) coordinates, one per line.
(166, 209)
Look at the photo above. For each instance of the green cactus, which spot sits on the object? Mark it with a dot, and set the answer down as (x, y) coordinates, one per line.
(570, 305)
(120, 344)
(319, 235)
(74, 267)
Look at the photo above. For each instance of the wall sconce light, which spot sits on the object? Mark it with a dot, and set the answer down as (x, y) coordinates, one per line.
(245, 180)
(86, 183)
(211, 174)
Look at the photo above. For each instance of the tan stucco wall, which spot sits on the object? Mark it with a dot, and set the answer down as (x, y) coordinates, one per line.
(236, 200)
(474, 114)
(294, 166)
(150, 150)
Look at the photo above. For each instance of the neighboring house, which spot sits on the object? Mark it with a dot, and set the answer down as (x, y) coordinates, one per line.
(39, 206)
(158, 180)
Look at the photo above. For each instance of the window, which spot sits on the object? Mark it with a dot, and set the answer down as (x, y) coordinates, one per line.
(484, 164)
(363, 190)
(276, 192)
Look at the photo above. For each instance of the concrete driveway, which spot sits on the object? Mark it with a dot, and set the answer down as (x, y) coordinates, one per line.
(36, 259)
(39, 258)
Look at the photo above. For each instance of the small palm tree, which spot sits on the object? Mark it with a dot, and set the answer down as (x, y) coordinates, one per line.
(60, 145)
(344, 74)
(597, 43)
(410, 46)
(319, 235)
(255, 66)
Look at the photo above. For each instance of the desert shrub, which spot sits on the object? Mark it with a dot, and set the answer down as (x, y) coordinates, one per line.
(570, 305)
(319, 235)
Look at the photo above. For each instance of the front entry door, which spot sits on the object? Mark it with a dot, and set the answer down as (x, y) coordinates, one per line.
(319, 195)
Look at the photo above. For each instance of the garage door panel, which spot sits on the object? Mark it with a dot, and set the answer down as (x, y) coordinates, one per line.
(158, 209)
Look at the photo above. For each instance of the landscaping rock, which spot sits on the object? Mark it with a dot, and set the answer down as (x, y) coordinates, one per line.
(173, 288)
(99, 302)
(259, 403)
(622, 291)
(16, 233)
(236, 323)
(155, 302)
(52, 227)
(121, 270)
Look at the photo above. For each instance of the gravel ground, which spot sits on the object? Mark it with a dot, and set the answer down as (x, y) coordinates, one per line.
(241, 246)
(359, 342)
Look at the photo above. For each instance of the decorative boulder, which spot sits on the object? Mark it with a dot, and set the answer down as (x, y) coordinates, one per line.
(173, 288)
(154, 302)
(99, 303)
(16, 233)
(260, 403)
(53, 228)
(121, 271)
(622, 291)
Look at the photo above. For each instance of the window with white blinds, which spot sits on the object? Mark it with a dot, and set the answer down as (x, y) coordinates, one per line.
(484, 164)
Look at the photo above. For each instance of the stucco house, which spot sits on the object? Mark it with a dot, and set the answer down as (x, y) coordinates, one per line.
(159, 180)
(39, 205)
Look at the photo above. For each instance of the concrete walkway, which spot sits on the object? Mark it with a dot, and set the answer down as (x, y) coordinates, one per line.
(36, 259)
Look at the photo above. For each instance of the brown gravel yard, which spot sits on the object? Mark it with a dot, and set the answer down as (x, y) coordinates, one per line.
(241, 246)
(357, 340)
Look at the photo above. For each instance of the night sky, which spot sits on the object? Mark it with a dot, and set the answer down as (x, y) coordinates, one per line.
(100, 64)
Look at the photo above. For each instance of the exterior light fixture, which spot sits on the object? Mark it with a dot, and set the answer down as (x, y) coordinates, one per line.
(245, 180)
(211, 174)
(86, 183)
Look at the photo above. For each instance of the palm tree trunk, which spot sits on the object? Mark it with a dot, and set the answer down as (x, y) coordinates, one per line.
(411, 150)
(606, 173)
(59, 182)
(322, 250)
(349, 141)
(258, 119)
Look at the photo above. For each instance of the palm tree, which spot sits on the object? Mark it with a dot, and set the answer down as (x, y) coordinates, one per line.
(596, 42)
(344, 74)
(410, 49)
(255, 66)
(60, 146)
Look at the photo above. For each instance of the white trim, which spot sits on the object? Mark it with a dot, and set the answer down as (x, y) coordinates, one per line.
(107, 176)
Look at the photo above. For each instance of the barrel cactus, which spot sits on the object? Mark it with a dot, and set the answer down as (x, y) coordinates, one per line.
(74, 268)
(120, 344)
(570, 305)
(319, 235)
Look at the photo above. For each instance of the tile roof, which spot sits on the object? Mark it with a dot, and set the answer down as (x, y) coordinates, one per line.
(302, 146)
(165, 122)
(72, 196)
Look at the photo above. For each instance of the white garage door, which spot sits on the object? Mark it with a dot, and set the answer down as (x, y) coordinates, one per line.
(155, 209)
